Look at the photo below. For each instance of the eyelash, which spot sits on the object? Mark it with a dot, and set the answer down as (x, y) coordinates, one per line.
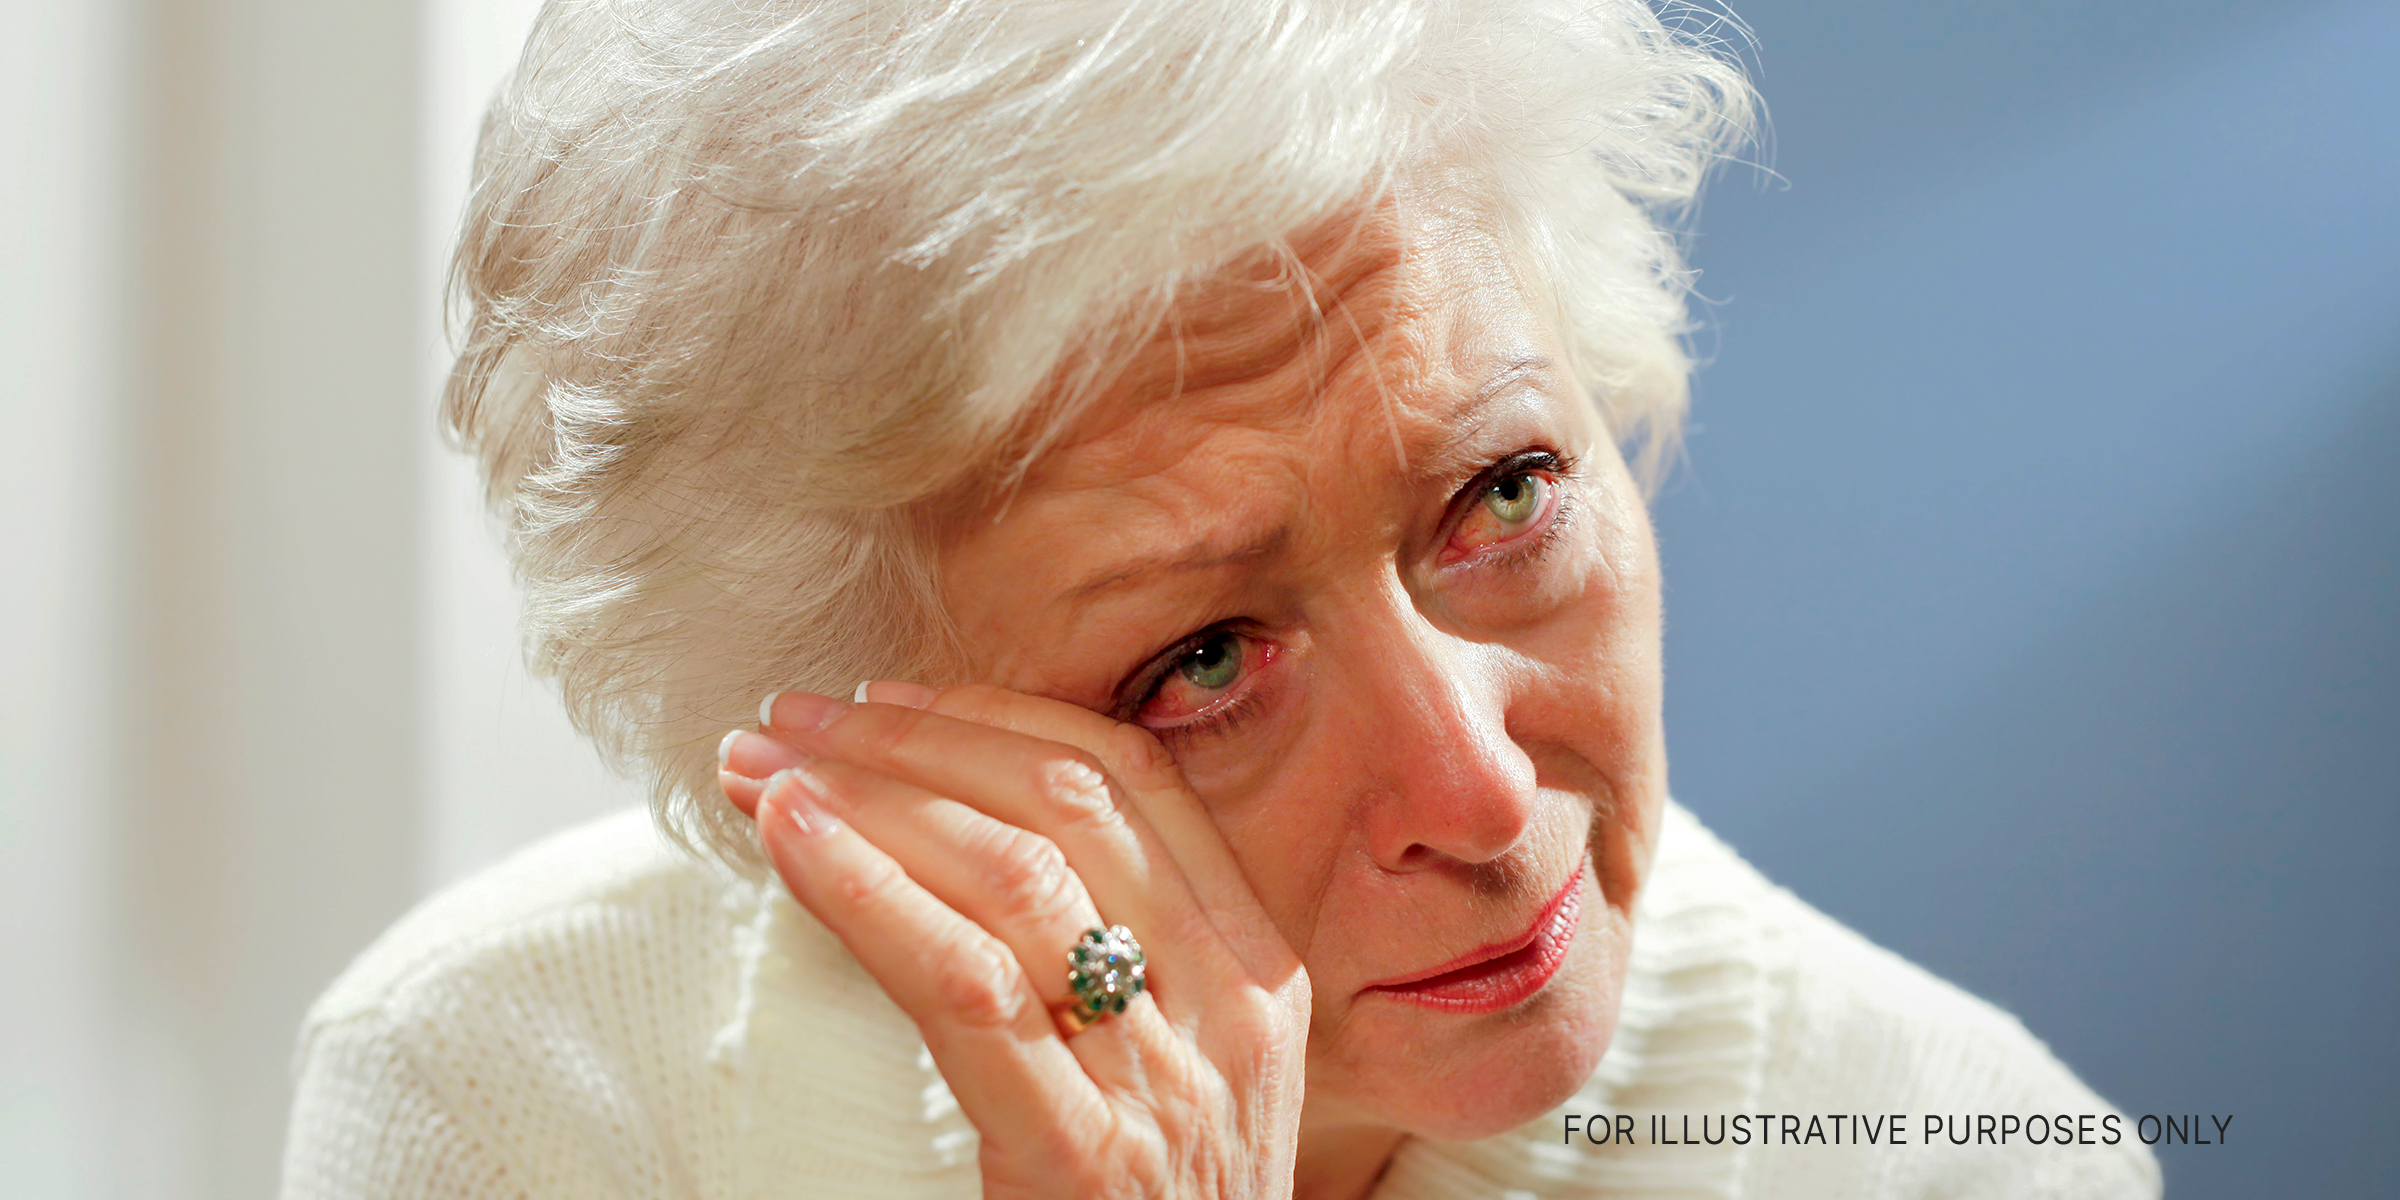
(1145, 685)
(1217, 720)
(1560, 468)
(1139, 690)
(1531, 555)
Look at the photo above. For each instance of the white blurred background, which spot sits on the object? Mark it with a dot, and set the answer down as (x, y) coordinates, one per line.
(241, 733)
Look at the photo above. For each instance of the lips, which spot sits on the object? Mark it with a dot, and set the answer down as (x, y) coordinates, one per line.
(1502, 974)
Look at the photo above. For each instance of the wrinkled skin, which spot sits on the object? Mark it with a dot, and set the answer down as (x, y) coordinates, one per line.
(1423, 697)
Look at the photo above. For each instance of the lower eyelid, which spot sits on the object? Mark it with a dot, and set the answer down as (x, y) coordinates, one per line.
(1211, 720)
(1533, 536)
(1244, 691)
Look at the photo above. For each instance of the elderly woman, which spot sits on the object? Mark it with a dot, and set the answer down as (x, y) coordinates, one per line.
(1216, 431)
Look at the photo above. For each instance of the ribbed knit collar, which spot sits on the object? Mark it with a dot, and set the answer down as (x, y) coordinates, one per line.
(840, 1097)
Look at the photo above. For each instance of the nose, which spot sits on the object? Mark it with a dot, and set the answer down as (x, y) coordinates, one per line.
(1444, 780)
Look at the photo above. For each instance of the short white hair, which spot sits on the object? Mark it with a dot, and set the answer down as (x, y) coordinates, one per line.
(744, 284)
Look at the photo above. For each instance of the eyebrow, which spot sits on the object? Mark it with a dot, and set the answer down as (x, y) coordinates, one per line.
(1203, 557)
(1207, 556)
(1469, 415)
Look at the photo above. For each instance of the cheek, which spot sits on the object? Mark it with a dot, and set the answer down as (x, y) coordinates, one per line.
(1595, 646)
(1513, 599)
(1592, 576)
(1288, 838)
(1614, 614)
(1592, 720)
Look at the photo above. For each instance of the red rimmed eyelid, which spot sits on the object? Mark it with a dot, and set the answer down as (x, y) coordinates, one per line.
(1457, 550)
(1257, 656)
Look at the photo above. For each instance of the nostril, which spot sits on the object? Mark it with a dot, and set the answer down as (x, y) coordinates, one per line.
(1468, 817)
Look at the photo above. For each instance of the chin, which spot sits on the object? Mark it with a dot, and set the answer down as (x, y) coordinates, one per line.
(1465, 1078)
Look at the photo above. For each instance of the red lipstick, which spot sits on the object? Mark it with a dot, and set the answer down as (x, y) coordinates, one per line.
(1502, 974)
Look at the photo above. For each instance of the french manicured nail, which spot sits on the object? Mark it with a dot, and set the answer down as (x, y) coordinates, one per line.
(895, 691)
(803, 796)
(801, 712)
(755, 755)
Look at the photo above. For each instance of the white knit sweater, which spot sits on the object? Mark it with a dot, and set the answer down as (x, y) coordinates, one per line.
(603, 1017)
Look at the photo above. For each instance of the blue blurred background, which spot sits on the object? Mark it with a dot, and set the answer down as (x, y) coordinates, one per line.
(2034, 577)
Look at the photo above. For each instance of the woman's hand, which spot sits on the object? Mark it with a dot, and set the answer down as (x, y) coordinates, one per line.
(959, 843)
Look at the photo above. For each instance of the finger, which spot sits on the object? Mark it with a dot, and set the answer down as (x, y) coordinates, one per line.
(895, 691)
(1154, 783)
(1146, 775)
(745, 761)
(1004, 885)
(1047, 787)
(742, 790)
(988, 1032)
(1014, 883)
(1156, 788)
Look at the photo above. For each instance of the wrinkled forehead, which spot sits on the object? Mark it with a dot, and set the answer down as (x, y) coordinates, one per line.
(1373, 332)
(1284, 428)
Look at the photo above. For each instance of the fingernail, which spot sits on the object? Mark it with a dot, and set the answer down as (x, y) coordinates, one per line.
(803, 712)
(803, 796)
(896, 691)
(755, 755)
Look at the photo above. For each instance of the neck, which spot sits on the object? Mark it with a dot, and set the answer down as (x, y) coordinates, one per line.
(1341, 1161)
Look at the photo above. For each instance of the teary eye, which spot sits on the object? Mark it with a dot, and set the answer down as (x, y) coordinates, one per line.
(1201, 679)
(1509, 507)
(1214, 664)
(1514, 500)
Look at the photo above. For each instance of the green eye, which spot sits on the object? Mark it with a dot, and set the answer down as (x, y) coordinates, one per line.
(1514, 500)
(1213, 664)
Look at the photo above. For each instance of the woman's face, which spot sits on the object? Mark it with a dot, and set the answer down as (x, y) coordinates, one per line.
(1391, 601)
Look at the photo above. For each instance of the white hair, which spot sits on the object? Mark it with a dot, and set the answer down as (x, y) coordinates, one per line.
(745, 284)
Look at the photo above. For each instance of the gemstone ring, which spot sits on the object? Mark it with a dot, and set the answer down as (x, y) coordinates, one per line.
(1105, 970)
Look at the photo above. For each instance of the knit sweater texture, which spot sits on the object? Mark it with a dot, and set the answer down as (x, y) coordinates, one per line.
(603, 1016)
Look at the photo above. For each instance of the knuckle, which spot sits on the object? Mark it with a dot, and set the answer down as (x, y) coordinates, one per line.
(1075, 791)
(883, 729)
(1256, 1016)
(865, 887)
(977, 985)
(1255, 1029)
(1032, 878)
(1138, 754)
